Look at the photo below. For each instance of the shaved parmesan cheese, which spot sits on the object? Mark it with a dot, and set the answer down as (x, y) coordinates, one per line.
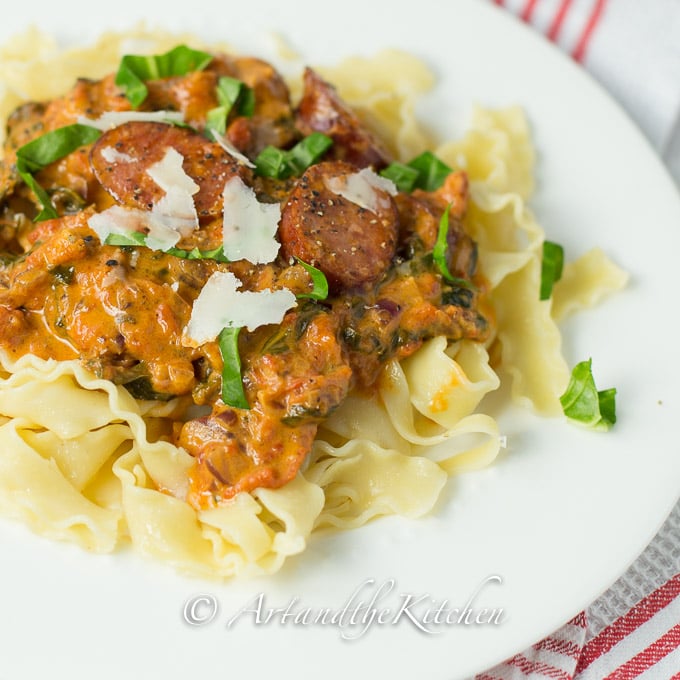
(118, 220)
(170, 218)
(249, 228)
(112, 119)
(176, 210)
(162, 233)
(169, 174)
(220, 305)
(111, 155)
(231, 149)
(360, 188)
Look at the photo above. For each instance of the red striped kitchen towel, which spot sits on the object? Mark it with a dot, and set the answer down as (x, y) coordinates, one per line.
(569, 24)
(643, 644)
(632, 47)
(632, 630)
(554, 657)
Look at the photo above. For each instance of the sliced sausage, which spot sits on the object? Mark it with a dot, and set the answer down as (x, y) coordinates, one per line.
(139, 145)
(322, 110)
(351, 244)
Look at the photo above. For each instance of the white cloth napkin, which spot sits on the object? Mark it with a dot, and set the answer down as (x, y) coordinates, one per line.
(632, 47)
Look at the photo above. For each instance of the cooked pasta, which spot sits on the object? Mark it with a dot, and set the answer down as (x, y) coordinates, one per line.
(84, 461)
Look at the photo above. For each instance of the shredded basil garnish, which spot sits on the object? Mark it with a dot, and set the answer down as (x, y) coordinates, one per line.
(319, 283)
(431, 171)
(583, 403)
(551, 267)
(278, 164)
(425, 172)
(271, 162)
(403, 176)
(132, 238)
(232, 383)
(48, 212)
(216, 254)
(46, 149)
(55, 144)
(135, 69)
(439, 253)
(230, 93)
(246, 102)
(137, 238)
(607, 403)
(307, 152)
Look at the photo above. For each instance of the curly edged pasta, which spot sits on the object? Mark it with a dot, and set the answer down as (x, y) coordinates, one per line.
(84, 461)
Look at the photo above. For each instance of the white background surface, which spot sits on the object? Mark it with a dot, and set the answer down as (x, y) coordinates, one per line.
(558, 517)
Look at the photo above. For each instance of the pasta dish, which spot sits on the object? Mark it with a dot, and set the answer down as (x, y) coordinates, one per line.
(230, 316)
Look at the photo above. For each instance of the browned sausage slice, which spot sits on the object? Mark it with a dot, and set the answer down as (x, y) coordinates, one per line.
(322, 110)
(121, 156)
(351, 244)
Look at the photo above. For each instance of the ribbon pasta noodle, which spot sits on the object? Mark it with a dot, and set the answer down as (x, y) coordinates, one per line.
(84, 461)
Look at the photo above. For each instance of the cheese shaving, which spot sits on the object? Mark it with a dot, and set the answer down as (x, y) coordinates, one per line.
(176, 209)
(249, 228)
(231, 149)
(111, 155)
(220, 305)
(112, 119)
(118, 220)
(362, 188)
(169, 174)
(170, 218)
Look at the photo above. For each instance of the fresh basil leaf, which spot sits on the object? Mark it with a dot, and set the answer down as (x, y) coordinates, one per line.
(54, 145)
(132, 238)
(271, 162)
(230, 92)
(48, 211)
(583, 403)
(441, 245)
(46, 149)
(246, 102)
(439, 253)
(307, 152)
(425, 172)
(320, 283)
(551, 267)
(216, 119)
(278, 164)
(135, 69)
(216, 254)
(607, 403)
(403, 176)
(232, 383)
(431, 171)
(137, 238)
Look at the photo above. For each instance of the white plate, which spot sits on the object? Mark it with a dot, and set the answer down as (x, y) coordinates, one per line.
(560, 515)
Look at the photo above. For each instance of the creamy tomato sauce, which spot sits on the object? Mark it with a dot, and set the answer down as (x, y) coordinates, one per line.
(122, 310)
